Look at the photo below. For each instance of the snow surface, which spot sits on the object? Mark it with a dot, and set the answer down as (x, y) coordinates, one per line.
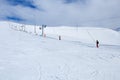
(25, 55)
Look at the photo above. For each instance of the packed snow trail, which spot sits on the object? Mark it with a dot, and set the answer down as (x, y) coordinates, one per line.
(25, 56)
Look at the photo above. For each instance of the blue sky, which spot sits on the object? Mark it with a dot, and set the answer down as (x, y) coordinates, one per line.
(24, 3)
(102, 13)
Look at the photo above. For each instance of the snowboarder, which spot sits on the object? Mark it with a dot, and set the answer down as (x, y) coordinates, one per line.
(97, 43)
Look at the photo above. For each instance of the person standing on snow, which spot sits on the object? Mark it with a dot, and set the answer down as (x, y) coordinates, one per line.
(97, 43)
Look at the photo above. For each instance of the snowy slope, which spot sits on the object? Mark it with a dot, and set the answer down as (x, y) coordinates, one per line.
(86, 34)
(80, 34)
(26, 56)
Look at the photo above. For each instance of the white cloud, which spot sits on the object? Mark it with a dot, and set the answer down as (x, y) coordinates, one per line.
(56, 12)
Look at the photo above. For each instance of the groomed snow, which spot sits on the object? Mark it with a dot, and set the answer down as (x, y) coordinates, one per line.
(27, 56)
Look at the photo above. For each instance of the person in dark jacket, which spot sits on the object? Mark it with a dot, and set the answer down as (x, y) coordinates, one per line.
(97, 43)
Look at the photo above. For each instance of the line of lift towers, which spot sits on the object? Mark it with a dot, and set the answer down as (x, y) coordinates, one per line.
(41, 28)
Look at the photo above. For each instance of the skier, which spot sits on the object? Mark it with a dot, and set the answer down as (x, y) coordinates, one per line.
(59, 37)
(97, 43)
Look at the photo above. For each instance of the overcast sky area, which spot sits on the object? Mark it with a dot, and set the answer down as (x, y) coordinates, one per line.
(102, 13)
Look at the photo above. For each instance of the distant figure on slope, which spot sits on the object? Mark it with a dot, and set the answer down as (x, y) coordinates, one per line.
(97, 43)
